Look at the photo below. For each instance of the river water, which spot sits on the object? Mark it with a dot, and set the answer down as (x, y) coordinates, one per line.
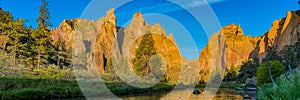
(222, 94)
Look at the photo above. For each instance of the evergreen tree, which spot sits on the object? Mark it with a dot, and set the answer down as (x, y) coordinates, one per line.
(231, 73)
(44, 18)
(43, 45)
(60, 56)
(142, 55)
(247, 70)
(5, 16)
(31, 54)
(17, 35)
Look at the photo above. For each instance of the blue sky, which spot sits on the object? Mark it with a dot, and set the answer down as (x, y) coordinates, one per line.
(254, 16)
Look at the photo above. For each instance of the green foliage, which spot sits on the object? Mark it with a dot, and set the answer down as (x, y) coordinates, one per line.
(109, 68)
(5, 17)
(60, 56)
(32, 47)
(18, 36)
(288, 88)
(26, 46)
(26, 93)
(25, 88)
(247, 70)
(263, 76)
(142, 55)
(4, 59)
(272, 55)
(110, 74)
(203, 76)
(53, 72)
(291, 54)
(44, 18)
(42, 47)
(231, 74)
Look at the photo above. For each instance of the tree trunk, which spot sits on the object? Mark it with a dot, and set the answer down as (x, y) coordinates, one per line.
(58, 63)
(271, 77)
(39, 60)
(31, 66)
(15, 57)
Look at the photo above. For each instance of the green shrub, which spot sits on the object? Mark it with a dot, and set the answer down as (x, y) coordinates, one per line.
(262, 73)
(28, 93)
(231, 73)
(247, 70)
(288, 89)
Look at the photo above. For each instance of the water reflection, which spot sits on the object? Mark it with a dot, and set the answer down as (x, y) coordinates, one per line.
(222, 94)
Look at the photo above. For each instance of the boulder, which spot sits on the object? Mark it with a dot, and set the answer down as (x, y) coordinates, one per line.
(250, 82)
(196, 92)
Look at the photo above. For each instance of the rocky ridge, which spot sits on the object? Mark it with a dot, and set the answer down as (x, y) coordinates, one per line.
(96, 37)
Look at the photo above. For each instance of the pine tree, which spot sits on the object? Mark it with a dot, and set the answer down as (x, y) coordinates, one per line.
(5, 16)
(44, 18)
(142, 55)
(43, 44)
(60, 55)
(31, 54)
(17, 37)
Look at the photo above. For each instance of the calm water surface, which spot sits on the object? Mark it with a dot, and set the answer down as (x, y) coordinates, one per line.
(222, 94)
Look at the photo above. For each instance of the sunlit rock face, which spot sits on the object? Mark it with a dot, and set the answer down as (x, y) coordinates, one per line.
(94, 39)
(164, 44)
(237, 49)
(91, 39)
(240, 48)
(283, 32)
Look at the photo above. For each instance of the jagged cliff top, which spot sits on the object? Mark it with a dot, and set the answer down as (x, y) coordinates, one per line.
(232, 29)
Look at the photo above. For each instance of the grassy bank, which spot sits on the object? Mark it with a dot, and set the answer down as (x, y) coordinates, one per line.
(25, 88)
(232, 85)
(17, 83)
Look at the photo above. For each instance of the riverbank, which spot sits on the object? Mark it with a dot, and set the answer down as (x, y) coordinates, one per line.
(18, 83)
(25, 88)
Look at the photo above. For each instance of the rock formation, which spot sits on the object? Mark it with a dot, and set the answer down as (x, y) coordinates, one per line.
(283, 32)
(92, 40)
(240, 48)
(164, 44)
(237, 50)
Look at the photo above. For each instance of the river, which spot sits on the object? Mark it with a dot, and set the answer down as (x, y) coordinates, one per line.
(222, 94)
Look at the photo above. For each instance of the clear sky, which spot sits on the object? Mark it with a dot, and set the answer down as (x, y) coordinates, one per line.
(254, 16)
